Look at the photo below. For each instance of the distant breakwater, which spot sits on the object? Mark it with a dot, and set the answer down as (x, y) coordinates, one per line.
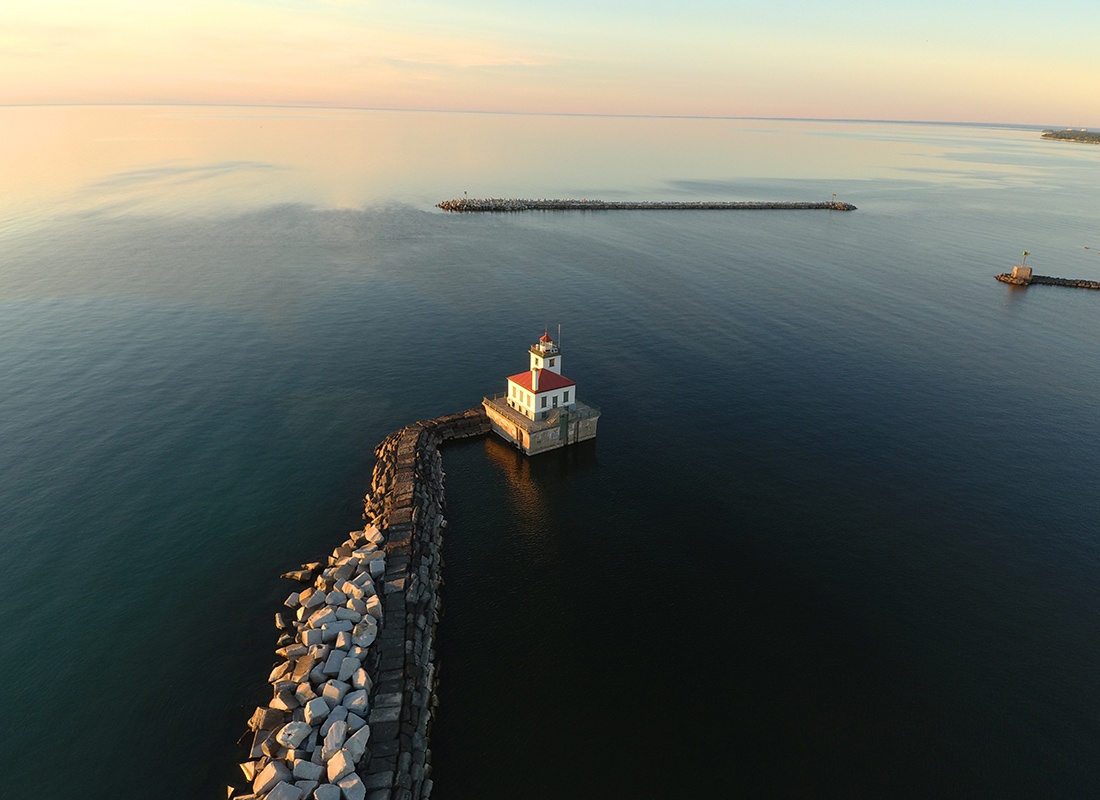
(1046, 280)
(496, 204)
(354, 687)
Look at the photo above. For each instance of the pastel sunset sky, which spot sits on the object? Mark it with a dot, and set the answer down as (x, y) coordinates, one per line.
(1005, 61)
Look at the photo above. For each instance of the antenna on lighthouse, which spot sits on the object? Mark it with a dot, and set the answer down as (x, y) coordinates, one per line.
(559, 334)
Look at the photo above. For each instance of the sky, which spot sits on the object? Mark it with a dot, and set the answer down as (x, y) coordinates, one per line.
(965, 61)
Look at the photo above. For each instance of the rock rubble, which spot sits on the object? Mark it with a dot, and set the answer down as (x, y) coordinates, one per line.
(353, 694)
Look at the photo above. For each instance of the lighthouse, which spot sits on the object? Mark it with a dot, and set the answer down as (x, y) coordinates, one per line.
(540, 410)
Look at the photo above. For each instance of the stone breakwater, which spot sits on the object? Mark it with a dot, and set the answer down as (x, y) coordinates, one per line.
(1046, 280)
(354, 687)
(464, 204)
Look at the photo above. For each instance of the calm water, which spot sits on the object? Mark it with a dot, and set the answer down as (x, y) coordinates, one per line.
(837, 535)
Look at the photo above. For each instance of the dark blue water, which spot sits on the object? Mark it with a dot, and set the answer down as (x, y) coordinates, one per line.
(837, 534)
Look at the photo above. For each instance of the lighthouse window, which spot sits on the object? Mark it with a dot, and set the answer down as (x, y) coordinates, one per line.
(552, 361)
(565, 397)
(544, 402)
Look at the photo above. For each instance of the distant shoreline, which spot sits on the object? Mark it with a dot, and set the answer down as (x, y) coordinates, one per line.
(1071, 135)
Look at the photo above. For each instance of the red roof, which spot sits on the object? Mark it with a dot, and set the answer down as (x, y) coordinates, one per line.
(548, 381)
(546, 337)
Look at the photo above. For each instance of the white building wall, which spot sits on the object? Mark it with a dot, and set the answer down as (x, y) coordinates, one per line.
(521, 400)
(559, 394)
(548, 362)
(545, 359)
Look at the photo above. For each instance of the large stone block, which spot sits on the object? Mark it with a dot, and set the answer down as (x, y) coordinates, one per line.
(272, 749)
(337, 714)
(361, 680)
(388, 699)
(355, 651)
(285, 700)
(364, 581)
(258, 740)
(348, 667)
(338, 766)
(308, 771)
(356, 744)
(302, 666)
(365, 632)
(351, 786)
(357, 702)
(304, 693)
(334, 740)
(274, 773)
(388, 714)
(327, 791)
(322, 615)
(267, 718)
(374, 607)
(334, 691)
(292, 734)
(307, 787)
(334, 626)
(379, 780)
(285, 791)
(281, 671)
(301, 752)
(335, 660)
(316, 598)
(316, 711)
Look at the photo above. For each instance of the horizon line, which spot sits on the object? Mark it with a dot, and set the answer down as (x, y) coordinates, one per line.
(175, 104)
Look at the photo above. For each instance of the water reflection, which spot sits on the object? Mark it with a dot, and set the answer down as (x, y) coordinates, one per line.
(523, 493)
(535, 482)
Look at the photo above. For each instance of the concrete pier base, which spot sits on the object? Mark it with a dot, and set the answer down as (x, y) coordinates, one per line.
(561, 427)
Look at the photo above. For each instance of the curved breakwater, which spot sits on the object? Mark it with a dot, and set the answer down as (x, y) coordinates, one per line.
(354, 690)
(467, 204)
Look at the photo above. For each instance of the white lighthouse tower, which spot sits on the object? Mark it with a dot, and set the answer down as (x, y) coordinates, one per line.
(540, 411)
